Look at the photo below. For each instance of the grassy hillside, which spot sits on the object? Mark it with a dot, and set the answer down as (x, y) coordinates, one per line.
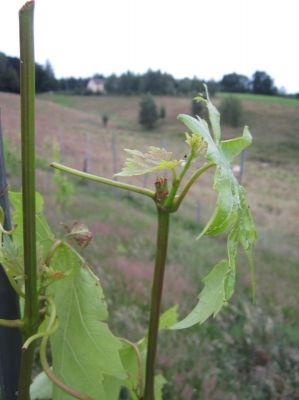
(248, 351)
(274, 121)
(283, 101)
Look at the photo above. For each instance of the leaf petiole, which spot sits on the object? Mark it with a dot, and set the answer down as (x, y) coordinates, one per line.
(105, 181)
(11, 323)
(177, 181)
(139, 362)
(189, 184)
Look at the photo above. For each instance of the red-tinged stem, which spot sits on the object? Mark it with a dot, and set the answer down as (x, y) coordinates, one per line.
(157, 288)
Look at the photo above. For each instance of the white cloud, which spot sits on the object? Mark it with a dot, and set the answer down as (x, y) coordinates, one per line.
(185, 38)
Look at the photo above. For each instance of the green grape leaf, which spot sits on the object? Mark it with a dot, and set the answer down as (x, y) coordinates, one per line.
(247, 235)
(247, 231)
(220, 282)
(11, 257)
(44, 234)
(221, 154)
(155, 159)
(166, 321)
(212, 297)
(159, 383)
(1, 217)
(227, 203)
(130, 363)
(112, 387)
(214, 116)
(42, 388)
(233, 147)
(84, 349)
(200, 127)
(232, 251)
(168, 318)
(135, 375)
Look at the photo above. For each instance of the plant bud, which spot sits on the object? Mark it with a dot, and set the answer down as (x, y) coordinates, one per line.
(161, 189)
(80, 233)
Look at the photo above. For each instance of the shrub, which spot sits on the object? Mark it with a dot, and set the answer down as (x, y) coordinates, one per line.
(213, 87)
(12, 160)
(148, 114)
(197, 108)
(231, 111)
(162, 112)
(105, 119)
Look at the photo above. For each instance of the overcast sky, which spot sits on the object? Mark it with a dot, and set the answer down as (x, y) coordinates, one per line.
(203, 38)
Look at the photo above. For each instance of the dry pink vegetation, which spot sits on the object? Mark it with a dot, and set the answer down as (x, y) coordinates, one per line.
(99, 228)
(136, 277)
(65, 127)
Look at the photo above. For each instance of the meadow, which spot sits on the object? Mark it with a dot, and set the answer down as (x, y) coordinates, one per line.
(248, 351)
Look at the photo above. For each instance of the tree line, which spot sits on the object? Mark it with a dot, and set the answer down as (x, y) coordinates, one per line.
(129, 83)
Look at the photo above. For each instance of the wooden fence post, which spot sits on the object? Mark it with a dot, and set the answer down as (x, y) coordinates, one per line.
(242, 165)
(10, 339)
(114, 155)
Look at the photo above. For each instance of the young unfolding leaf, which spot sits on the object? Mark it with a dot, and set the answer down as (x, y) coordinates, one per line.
(225, 183)
(233, 147)
(168, 318)
(155, 159)
(231, 214)
(211, 299)
(196, 144)
(247, 235)
(220, 282)
(225, 214)
(214, 115)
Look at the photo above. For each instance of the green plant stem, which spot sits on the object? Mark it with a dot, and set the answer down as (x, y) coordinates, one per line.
(11, 323)
(177, 181)
(105, 181)
(27, 86)
(157, 288)
(188, 185)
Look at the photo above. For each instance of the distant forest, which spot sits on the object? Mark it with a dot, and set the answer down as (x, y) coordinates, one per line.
(128, 83)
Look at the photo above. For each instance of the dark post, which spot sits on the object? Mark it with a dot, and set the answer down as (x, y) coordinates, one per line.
(242, 165)
(114, 155)
(10, 338)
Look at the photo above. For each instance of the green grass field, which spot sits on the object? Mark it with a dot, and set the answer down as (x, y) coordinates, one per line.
(248, 351)
(283, 101)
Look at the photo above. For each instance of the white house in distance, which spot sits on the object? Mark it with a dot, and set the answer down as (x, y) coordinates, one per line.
(96, 85)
